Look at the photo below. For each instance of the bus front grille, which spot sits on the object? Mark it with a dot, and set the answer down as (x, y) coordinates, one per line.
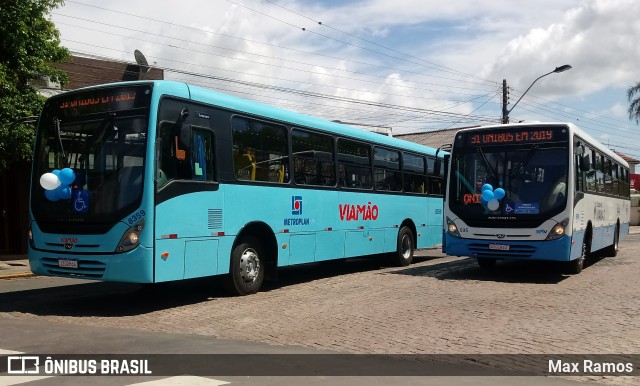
(89, 269)
(514, 252)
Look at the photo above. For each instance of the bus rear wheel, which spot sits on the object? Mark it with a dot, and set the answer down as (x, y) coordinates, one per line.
(403, 255)
(247, 267)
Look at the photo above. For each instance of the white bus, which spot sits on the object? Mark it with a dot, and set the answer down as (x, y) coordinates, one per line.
(534, 191)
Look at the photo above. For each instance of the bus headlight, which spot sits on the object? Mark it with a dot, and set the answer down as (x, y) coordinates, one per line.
(558, 230)
(452, 228)
(131, 238)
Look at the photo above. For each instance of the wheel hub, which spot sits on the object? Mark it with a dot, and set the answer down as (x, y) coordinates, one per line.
(249, 265)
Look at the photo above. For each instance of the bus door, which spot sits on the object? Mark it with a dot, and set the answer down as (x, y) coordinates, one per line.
(188, 208)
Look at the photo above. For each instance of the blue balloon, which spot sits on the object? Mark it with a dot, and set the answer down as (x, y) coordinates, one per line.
(63, 192)
(67, 176)
(51, 195)
(487, 187)
(487, 195)
(498, 194)
(56, 172)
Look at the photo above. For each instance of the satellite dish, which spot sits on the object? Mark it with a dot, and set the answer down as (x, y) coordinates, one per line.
(142, 62)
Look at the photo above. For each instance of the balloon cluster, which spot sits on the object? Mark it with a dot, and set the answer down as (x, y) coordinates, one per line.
(56, 184)
(492, 197)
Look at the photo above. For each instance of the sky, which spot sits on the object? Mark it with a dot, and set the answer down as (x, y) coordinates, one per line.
(400, 65)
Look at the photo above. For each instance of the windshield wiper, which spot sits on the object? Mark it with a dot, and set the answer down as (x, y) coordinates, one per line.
(56, 123)
(486, 163)
(524, 164)
(105, 127)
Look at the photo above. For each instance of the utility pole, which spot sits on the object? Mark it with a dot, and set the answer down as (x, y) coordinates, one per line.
(505, 91)
(505, 101)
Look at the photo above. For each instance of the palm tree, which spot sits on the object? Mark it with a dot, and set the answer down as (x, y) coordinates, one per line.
(634, 106)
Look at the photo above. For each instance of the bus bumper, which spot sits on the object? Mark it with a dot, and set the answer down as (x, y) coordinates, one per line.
(135, 266)
(550, 250)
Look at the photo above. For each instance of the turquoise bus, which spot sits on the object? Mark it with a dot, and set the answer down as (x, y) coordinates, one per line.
(160, 181)
(534, 191)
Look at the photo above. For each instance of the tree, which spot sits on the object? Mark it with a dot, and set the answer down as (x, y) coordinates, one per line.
(29, 45)
(633, 95)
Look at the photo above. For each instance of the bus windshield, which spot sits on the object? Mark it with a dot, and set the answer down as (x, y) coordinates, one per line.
(95, 143)
(493, 184)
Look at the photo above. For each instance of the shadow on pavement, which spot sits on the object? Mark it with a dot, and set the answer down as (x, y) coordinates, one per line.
(102, 299)
(509, 271)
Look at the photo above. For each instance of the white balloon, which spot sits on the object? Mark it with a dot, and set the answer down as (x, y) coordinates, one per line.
(49, 181)
(493, 204)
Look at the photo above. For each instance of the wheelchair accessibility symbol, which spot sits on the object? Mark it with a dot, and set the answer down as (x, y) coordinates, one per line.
(80, 201)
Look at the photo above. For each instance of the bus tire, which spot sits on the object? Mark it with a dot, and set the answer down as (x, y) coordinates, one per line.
(403, 255)
(247, 269)
(612, 250)
(574, 267)
(486, 263)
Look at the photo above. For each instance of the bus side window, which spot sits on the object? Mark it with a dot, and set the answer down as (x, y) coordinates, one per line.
(354, 164)
(436, 176)
(313, 158)
(591, 173)
(387, 175)
(415, 174)
(260, 150)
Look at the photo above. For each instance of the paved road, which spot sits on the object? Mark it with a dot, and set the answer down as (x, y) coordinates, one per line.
(440, 305)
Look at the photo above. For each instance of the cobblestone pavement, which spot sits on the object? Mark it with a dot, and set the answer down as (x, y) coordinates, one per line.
(439, 305)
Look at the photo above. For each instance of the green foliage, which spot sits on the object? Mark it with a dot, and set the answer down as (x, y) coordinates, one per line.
(633, 95)
(29, 44)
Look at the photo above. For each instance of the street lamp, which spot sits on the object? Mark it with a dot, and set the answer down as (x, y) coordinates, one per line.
(505, 112)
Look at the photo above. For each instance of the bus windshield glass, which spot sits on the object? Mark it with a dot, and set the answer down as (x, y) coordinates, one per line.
(89, 157)
(495, 176)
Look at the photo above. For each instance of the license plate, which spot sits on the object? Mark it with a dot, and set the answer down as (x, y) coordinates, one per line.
(499, 247)
(68, 263)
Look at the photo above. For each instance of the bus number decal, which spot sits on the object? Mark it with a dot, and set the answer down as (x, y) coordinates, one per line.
(350, 212)
(136, 217)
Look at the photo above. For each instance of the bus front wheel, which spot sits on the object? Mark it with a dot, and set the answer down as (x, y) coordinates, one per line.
(247, 267)
(612, 250)
(403, 255)
(574, 267)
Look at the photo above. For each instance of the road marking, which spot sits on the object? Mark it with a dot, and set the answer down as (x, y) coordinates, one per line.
(9, 352)
(8, 380)
(184, 380)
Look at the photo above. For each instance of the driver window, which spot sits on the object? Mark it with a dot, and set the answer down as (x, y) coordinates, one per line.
(186, 158)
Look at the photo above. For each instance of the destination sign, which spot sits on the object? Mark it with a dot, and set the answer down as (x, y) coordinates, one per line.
(509, 137)
(101, 100)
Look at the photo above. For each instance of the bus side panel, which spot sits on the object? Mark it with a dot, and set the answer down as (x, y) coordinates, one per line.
(187, 240)
(302, 248)
(169, 259)
(331, 245)
(201, 258)
(363, 242)
(430, 234)
(576, 244)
